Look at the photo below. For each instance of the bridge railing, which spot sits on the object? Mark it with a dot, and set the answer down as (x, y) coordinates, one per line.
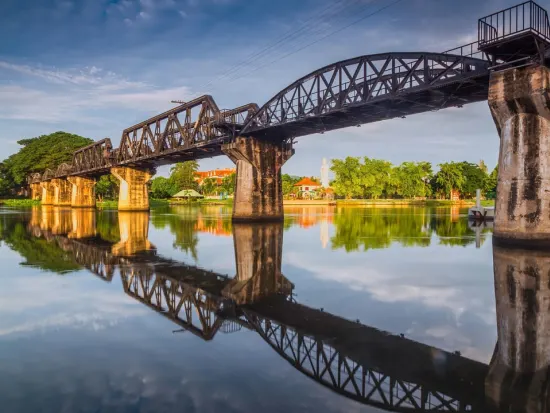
(527, 17)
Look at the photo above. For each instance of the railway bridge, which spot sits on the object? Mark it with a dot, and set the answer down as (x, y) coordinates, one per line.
(507, 66)
(357, 361)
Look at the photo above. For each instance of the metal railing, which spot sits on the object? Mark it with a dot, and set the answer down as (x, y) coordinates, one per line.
(527, 17)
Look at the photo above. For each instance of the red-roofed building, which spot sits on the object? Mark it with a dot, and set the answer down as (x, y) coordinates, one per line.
(216, 174)
(307, 186)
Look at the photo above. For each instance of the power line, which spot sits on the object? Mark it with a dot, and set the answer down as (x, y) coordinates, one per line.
(318, 29)
(333, 9)
(381, 9)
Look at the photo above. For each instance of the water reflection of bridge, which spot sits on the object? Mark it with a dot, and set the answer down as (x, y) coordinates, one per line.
(354, 360)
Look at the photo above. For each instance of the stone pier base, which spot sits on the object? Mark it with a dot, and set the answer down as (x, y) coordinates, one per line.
(519, 368)
(258, 192)
(133, 195)
(48, 193)
(62, 192)
(36, 191)
(258, 252)
(82, 192)
(519, 101)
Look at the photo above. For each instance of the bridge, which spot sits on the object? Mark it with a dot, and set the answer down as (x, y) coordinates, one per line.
(354, 360)
(507, 66)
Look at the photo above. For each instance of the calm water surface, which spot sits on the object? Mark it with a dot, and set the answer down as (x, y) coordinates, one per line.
(337, 310)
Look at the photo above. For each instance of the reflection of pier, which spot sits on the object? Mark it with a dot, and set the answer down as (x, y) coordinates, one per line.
(364, 364)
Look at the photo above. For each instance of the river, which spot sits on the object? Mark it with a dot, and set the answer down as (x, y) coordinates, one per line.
(178, 310)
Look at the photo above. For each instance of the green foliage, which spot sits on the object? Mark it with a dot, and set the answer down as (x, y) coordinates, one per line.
(450, 177)
(347, 181)
(38, 154)
(209, 186)
(490, 184)
(288, 183)
(20, 202)
(107, 187)
(412, 179)
(229, 183)
(474, 178)
(182, 175)
(163, 188)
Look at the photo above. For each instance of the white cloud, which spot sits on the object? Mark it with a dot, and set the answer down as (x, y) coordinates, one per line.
(78, 93)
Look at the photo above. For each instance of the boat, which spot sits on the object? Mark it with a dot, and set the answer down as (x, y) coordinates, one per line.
(481, 213)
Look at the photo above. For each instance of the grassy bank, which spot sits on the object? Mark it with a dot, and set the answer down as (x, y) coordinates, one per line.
(19, 202)
(414, 202)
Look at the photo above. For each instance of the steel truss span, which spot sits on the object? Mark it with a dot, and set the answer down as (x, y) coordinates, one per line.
(371, 88)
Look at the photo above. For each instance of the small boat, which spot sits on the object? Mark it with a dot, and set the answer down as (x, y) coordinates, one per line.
(479, 212)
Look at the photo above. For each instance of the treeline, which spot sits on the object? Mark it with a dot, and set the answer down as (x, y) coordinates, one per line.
(367, 178)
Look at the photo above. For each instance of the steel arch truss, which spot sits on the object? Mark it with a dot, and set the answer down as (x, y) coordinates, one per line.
(371, 88)
(323, 363)
(191, 308)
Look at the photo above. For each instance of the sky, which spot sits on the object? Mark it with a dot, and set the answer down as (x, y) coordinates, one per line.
(95, 67)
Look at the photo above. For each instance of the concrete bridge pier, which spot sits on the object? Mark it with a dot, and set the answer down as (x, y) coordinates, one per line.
(82, 192)
(258, 192)
(62, 192)
(133, 194)
(36, 191)
(258, 252)
(519, 101)
(48, 193)
(518, 372)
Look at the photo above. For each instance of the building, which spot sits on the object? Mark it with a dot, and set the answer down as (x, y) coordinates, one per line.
(217, 174)
(307, 187)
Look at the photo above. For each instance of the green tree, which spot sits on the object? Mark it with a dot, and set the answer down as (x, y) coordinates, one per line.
(347, 177)
(40, 153)
(288, 183)
(474, 178)
(490, 184)
(450, 177)
(107, 187)
(162, 188)
(412, 179)
(209, 186)
(229, 183)
(374, 177)
(183, 175)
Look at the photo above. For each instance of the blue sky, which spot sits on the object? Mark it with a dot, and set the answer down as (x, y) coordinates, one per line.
(95, 67)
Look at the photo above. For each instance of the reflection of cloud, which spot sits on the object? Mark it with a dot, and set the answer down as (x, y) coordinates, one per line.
(390, 289)
(42, 302)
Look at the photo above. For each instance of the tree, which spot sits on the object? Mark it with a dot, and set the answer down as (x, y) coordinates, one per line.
(450, 177)
(209, 186)
(412, 179)
(490, 184)
(288, 183)
(183, 175)
(38, 154)
(107, 187)
(162, 188)
(347, 177)
(474, 178)
(374, 177)
(229, 183)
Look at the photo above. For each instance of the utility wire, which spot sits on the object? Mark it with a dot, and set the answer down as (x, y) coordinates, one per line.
(333, 9)
(381, 9)
(320, 28)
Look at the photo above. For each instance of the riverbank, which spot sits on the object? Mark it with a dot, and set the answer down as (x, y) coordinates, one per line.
(110, 204)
